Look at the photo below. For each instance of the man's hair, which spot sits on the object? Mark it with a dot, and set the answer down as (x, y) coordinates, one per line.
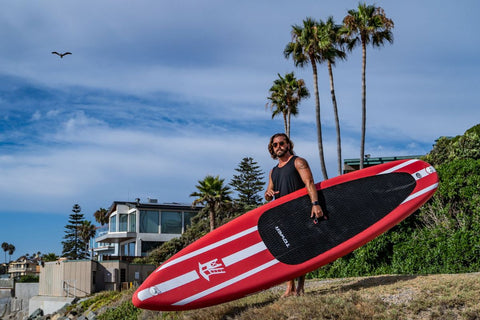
(270, 144)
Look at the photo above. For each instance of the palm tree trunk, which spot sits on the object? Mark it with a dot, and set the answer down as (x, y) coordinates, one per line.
(289, 122)
(337, 121)
(319, 123)
(212, 218)
(285, 123)
(364, 103)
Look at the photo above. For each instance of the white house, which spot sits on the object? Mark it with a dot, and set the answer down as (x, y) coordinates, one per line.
(135, 228)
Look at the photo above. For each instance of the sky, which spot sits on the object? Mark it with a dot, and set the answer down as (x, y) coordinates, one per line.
(158, 94)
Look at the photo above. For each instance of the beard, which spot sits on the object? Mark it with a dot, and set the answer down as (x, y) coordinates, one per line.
(281, 152)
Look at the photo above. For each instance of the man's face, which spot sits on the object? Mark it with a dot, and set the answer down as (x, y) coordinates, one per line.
(280, 146)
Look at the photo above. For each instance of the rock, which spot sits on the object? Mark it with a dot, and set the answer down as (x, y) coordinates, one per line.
(90, 315)
(36, 314)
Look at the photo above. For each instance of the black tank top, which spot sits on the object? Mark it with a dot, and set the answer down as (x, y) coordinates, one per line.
(286, 179)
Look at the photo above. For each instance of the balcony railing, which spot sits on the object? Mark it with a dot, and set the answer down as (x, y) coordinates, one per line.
(21, 269)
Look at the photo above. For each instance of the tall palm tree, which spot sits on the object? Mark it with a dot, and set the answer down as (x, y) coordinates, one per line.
(366, 25)
(11, 250)
(304, 49)
(86, 231)
(5, 248)
(285, 95)
(101, 216)
(331, 48)
(213, 193)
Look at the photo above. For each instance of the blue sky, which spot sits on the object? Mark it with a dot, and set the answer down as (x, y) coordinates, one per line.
(159, 94)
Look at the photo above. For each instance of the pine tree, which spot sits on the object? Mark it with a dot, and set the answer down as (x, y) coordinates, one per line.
(248, 183)
(74, 246)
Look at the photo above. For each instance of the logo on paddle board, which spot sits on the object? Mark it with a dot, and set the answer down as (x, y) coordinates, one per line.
(209, 268)
(284, 239)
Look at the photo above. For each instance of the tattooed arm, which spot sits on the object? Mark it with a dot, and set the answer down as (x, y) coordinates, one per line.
(306, 174)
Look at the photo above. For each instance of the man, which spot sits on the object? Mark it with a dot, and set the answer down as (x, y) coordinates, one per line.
(290, 174)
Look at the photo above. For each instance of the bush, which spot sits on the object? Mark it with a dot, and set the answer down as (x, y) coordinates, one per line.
(125, 311)
(27, 278)
(441, 237)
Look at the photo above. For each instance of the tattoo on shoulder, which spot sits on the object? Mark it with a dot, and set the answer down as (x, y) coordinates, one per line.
(302, 163)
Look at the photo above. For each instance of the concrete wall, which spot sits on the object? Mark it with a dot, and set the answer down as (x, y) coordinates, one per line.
(67, 278)
(48, 304)
(82, 278)
(25, 291)
(18, 304)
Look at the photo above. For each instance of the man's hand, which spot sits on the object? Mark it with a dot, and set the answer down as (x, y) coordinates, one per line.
(270, 194)
(317, 212)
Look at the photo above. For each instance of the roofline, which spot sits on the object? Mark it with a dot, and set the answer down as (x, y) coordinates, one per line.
(166, 206)
(379, 159)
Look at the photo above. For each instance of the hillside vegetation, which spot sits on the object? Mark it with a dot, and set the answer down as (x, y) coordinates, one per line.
(442, 296)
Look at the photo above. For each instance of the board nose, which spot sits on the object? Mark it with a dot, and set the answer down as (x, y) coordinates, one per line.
(137, 302)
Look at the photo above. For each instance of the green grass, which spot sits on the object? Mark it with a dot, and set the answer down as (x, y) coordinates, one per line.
(396, 297)
(381, 297)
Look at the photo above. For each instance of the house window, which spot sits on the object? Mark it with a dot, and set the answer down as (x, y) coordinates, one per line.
(171, 222)
(133, 222)
(113, 224)
(149, 221)
(122, 222)
(131, 249)
(148, 246)
(187, 219)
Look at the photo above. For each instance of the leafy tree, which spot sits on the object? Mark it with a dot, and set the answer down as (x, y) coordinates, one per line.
(285, 95)
(248, 182)
(304, 49)
(214, 194)
(101, 216)
(74, 246)
(366, 25)
(46, 257)
(86, 231)
(466, 146)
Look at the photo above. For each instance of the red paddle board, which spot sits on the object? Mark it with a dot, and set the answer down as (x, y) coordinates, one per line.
(279, 241)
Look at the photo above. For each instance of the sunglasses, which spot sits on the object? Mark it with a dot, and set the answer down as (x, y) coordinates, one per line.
(275, 144)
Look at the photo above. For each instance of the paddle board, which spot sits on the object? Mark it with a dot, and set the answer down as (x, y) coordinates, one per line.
(279, 241)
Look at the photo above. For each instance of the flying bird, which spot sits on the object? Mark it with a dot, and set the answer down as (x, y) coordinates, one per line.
(61, 54)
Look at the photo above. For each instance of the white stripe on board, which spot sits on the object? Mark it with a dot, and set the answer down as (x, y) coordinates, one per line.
(243, 254)
(168, 285)
(226, 283)
(421, 192)
(401, 165)
(207, 248)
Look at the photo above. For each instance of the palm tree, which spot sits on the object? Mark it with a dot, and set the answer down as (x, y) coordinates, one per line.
(213, 193)
(367, 25)
(11, 250)
(101, 216)
(5, 248)
(285, 94)
(331, 44)
(86, 231)
(304, 49)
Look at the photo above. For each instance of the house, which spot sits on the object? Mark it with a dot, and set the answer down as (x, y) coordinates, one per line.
(135, 228)
(350, 165)
(24, 266)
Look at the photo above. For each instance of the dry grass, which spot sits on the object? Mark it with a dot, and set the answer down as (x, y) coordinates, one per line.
(382, 297)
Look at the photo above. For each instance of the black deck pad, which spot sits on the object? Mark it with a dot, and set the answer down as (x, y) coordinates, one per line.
(351, 207)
